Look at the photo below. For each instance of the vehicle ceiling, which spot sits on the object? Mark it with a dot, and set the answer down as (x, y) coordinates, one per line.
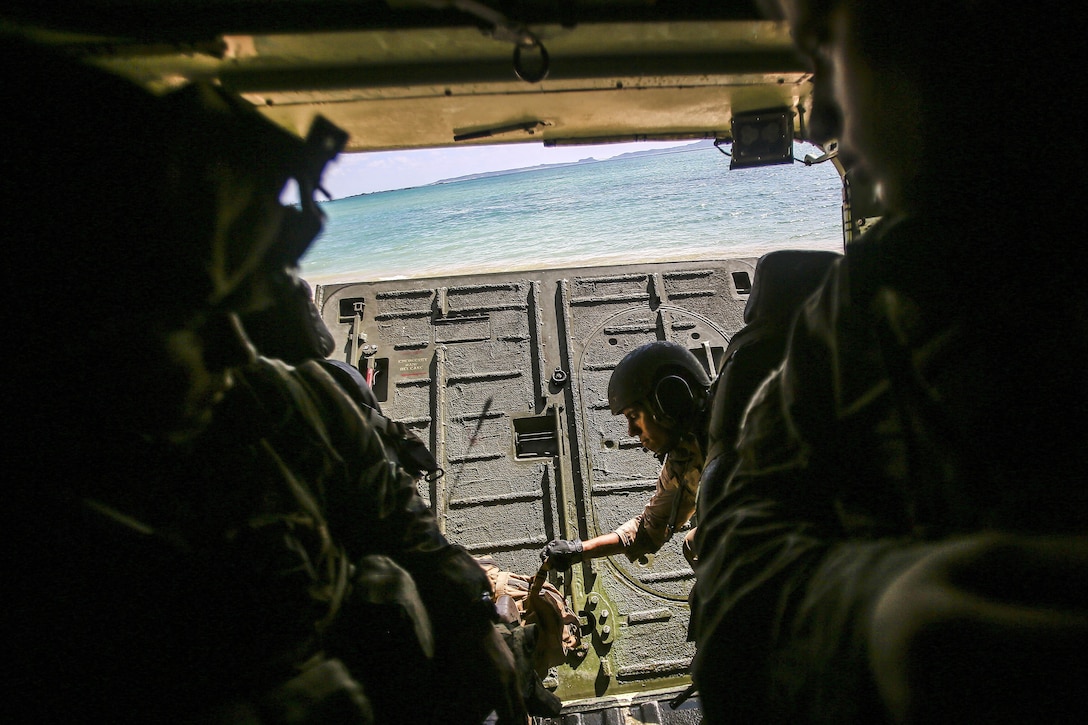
(422, 73)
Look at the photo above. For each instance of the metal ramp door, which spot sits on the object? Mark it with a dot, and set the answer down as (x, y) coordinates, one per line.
(636, 612)
(505, 375)
(459, 360)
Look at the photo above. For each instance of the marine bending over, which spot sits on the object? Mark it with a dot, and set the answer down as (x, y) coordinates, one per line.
(662, 391)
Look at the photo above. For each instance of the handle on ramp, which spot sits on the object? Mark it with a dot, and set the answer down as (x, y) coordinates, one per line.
(538, 582)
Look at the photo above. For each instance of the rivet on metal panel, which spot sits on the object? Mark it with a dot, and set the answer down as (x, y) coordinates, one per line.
(559, 377)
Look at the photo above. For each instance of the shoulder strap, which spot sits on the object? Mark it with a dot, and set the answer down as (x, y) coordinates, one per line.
(675, 509)
(739, 340)
(411, 452)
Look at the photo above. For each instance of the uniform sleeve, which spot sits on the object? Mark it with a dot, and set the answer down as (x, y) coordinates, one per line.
(783, 593)
(679, 477)
(378, 510)
(373, 506)
(628, 530)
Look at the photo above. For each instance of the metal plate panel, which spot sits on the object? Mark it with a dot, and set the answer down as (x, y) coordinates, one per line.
(506, 375)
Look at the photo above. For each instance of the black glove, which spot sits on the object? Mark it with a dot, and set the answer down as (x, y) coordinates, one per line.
(562, 554)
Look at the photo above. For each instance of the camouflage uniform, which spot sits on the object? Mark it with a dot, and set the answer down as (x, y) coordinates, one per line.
(191, 584)
(271, 539)
(910, 407)
(672, 504)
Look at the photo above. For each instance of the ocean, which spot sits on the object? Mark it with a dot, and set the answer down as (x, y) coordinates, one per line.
(679, 205)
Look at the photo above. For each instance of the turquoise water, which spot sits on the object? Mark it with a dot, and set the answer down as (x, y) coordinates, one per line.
(681, 205)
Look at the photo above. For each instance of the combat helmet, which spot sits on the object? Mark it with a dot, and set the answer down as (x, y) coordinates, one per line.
(663, 376)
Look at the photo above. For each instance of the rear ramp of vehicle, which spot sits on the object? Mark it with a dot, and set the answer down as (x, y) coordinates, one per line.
(505, 376)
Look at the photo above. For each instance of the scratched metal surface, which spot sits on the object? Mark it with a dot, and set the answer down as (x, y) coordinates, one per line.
(505, 376)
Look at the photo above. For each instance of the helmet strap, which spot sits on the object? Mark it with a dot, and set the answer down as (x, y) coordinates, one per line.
(673, 402)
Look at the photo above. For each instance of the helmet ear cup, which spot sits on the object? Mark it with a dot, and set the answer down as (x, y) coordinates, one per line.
(674, 401)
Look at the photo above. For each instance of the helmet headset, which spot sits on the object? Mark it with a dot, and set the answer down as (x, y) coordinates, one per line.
(672, 401)
(664, 377)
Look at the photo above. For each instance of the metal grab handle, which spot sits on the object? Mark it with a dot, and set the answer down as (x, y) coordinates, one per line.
(538, 583)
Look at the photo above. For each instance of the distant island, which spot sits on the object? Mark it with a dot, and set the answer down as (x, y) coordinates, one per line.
(695, 146)
(705, 143)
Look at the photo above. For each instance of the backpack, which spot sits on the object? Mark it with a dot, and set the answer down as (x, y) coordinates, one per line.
(402, 444)
(559, 628)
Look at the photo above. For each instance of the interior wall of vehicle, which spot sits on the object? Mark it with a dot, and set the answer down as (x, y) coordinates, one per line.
(401, 75)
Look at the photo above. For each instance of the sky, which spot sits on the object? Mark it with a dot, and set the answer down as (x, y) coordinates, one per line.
(364, 173)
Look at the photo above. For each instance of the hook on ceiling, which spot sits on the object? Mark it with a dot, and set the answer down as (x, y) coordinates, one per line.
(531, 60)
